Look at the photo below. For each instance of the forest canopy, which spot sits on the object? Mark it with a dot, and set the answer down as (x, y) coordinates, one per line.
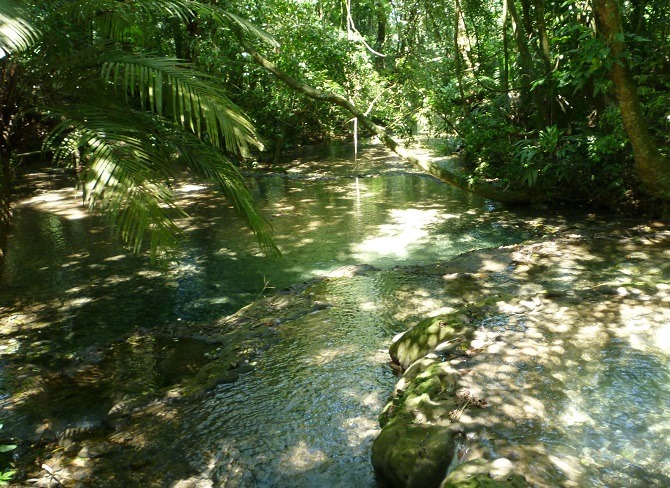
(553, 100)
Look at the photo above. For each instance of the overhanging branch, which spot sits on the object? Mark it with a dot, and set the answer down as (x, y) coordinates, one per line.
(482, 188)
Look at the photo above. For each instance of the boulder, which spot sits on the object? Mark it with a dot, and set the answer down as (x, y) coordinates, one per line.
(480, 473)
(408, 455)
(425, 393)
(427, 335)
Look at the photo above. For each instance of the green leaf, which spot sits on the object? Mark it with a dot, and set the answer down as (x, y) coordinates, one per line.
(16, 32)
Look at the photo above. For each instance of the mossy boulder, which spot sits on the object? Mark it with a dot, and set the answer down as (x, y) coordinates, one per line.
(425, 393)
(409, 455)
(427, 335)
(480, 473)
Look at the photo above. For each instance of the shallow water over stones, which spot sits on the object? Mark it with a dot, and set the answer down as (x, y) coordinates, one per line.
(305, 413)
(576, 378)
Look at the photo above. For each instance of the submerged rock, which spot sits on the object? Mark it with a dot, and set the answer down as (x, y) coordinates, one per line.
(480, 473)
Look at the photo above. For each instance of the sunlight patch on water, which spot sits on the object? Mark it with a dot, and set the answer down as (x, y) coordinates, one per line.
(302, 457)
(407, 227)
(662, 337)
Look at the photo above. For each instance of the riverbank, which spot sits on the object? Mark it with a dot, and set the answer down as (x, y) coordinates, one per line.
(554, 370)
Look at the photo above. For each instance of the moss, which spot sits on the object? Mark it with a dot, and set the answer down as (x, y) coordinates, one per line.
(413, 455)
(424, 392)
(477, 474)
(426, 336)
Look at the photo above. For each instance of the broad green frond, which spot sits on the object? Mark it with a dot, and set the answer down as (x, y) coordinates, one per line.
(206, 162)
(130, 157)
(172, 88)
(125, 176)
(16, 32)
(224, 17)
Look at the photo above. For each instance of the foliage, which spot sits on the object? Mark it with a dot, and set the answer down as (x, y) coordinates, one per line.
(481, 126)
(129, 116)
(523, 87)
(16, 32)
(6, 476)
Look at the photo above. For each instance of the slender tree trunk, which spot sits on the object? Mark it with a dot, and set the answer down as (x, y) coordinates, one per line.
(504, 75)
(545, 48)
(530, 102)
(653, 169)
(381, 35)
(527, 18)
(483, 188)
(458, 59)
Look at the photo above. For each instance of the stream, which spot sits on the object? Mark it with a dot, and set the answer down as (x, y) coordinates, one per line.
(304, 413)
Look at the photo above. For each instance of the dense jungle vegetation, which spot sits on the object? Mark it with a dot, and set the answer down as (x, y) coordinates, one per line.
(546, 100)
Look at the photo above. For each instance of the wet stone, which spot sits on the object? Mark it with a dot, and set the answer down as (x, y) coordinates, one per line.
(227, 378)
(91, 451)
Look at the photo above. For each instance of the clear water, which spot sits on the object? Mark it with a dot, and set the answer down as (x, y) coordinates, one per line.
(306, 415)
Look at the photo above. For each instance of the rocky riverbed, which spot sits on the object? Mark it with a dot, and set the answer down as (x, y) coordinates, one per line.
(508, 380)
(542, 376)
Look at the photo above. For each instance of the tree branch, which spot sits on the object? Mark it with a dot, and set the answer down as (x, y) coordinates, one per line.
(486, 189)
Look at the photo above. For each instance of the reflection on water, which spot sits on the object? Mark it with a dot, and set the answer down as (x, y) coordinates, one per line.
(66, 271)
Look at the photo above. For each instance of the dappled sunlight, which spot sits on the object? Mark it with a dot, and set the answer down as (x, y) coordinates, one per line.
(407, 227)
(305, 407)
(328, 355)
(302, 457)
(577, 370)
(64, 203)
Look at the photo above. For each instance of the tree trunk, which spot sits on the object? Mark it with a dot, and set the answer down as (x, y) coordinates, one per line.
(653, 169)
(504, 76)
(531, 102)
(7, 112)
(381, 35)
(545, 48)
(458, 59)
(491, 190)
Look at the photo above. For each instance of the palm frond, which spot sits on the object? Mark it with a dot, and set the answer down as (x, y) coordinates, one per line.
(206, 162)
(16, 31)
(172, 88)
(125, 177)
(131, 157)
(223, 17)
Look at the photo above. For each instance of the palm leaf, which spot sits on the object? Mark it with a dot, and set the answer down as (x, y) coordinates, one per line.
(126, 174)
(206, 162)
(16, 32)
(171, 87)
(131, 157)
